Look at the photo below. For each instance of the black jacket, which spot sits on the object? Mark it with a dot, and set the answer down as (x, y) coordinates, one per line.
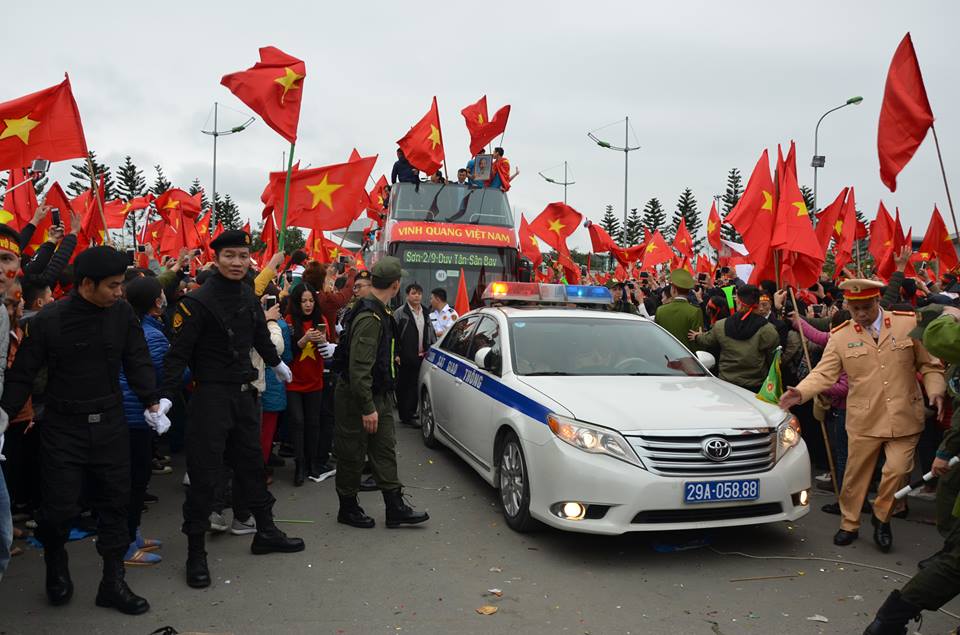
(403, 172)
(407, 346)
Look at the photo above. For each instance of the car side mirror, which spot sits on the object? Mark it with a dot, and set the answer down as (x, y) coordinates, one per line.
(707, 359)
(483, 358)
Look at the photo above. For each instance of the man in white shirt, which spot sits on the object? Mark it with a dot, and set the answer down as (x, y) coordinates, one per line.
(414, 338)
(442, 317)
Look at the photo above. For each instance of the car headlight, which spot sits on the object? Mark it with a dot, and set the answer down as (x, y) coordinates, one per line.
(788, 435)
(592, 439)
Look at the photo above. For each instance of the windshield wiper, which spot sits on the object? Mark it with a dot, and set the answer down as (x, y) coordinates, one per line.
(545, 373)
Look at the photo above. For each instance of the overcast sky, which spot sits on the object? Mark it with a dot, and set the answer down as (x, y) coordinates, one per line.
(707, 86)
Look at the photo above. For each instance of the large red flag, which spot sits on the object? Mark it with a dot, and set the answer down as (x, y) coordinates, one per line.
(656, 252)
(881, 235)
(423, 144)
(20, 201)
(378, 199)
(482, 129)
(462, 303)
(529, 245)
(801, 257)
(42, 125)
(937, 243)
(117, 210)
(176, 200)
(324, 197)
(905, 115)
(324, 250)
(828, 219)
(682, 240)
(754, 216)
(555, 224)
(713, 227)
(272, 88)
(845, 232)
(268, 235)
(55, 199)
(89, 205)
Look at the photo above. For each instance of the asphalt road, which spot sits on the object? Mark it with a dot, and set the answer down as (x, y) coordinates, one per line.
(433, 578)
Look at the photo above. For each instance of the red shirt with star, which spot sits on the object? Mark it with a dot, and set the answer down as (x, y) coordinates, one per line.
(307, 366)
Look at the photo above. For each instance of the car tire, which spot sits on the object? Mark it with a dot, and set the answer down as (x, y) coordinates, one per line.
(428, 424)
(513, 482)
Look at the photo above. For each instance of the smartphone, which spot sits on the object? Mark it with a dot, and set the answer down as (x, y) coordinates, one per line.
(55, 216)
(271, 301)
(702, 277)
(344, 259)
(141, 248)
(130, 260)
(818, 310)
(40, 165)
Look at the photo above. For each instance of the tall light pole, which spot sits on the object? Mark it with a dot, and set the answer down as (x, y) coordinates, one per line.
(564, 182)
(216, 132)
(818, 159)
(626, 149)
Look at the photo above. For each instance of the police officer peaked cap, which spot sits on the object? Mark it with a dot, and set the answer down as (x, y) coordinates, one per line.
(388, 269)
(858, 289)
(231, 238)
(100, 262)
(681, 279)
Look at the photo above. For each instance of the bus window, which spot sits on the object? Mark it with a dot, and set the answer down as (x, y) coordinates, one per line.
(450, 203)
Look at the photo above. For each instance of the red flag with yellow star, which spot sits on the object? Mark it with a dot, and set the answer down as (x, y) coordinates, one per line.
(272, 88)
(682, 240)
(881, 234)
(829, 220)
(656, 252)
(324, 197)
(45, 124)
(801, 257)
(20, 201)
(555, 224)
(423, 144)
(713, 227)
(268, 236)
(92, 229)
(937, 243)
(482, 129)
(845, 232)
(529, 245)
(753, 215)
(117, 210)
(55, 198)
(176, 200)
(324, 250)
(378, 199)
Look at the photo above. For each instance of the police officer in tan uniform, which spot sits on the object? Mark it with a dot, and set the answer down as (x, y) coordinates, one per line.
(884, 403)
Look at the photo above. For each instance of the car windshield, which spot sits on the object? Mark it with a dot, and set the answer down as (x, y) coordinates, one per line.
(596, 346)
(450, 203)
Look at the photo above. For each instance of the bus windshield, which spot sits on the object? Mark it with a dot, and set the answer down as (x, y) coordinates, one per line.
(450, 203)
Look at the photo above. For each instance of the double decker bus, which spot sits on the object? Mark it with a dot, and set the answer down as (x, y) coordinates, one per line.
(439, 229)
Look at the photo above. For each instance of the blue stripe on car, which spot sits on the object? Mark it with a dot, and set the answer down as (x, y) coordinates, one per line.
(487, 385)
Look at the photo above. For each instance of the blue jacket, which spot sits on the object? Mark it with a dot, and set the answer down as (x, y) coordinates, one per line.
(158, 344)
(275, 395)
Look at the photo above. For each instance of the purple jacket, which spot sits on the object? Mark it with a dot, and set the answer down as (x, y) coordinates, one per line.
(838, 392)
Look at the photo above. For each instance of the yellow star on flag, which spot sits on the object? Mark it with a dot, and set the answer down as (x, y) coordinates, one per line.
(480, 119)
(801, 208)
(651, 247)
(308, 351)
(711, 226)
(767, 200)
(289, 82)
(380, 200)
(19, 128)
(172, 204)
(838, 227)
(323, 192)
(126, 209)
(556, 226)
(434, 136)
(5, 217)
(533, 239)
(923, 255)
(334, 253)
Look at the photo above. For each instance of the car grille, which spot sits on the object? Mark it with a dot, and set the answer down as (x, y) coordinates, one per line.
(751, 451)
(706, 514)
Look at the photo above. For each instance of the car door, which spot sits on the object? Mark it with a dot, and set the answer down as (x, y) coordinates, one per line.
(443, 372)
(475, 429)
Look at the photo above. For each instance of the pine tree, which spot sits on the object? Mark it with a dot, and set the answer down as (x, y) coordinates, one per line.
(730, 199)
(160, 183)
(633, 232)
(130, 185)
(611, 224)
(654, 216)
(196, 188)
(807, 194)
(687, 209)
(80, 172)
(228, 214)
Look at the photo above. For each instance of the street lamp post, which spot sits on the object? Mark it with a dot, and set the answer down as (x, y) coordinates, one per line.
(564, 183)
(818, 159)
(626, 149)
(221, 133)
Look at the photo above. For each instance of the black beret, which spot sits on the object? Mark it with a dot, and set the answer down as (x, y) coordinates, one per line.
(231, 238)
(99, 263)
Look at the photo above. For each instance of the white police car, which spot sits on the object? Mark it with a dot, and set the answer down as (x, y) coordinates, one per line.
(602, 422)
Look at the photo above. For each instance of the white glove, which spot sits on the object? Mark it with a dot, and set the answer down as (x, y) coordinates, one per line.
(282, 371)
(163, 423)
(339, 328)
(327, 350)
(165, 405)
(151, 418)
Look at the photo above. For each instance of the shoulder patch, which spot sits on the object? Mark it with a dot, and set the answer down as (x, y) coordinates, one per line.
(177, 320)
(183, 307)
(905, 313)
(839, 326)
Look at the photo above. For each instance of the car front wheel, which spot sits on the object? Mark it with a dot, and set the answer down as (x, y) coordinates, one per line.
(428, 425)
(515, 485)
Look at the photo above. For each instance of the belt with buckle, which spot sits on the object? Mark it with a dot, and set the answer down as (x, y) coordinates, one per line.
(95, 417)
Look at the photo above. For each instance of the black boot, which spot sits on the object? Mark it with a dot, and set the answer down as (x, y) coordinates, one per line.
(198, 575)
(399, 512)
(114, 592)
(269, 539)
(893, 616)
(299, 473)
(59, 585)
(352, 514)
(882, 534)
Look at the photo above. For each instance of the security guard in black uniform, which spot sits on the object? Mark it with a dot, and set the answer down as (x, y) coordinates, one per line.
(364, 402)
(83, 340)
(214, 329)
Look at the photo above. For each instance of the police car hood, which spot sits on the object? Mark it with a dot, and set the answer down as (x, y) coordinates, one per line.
(632, 404)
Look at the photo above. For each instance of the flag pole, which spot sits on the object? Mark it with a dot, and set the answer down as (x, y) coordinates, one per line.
(286, 199)
(95, 190)
(936, 141)
(823, 426)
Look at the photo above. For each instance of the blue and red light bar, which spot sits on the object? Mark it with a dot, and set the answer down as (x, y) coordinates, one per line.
(535, 292)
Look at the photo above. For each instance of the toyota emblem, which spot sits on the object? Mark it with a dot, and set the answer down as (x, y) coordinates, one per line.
(716, 449)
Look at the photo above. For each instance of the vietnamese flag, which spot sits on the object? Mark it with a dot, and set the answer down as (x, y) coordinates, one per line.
(172, 237)
(152, 233)
(713, 227)
(881, 235)
(324, 197)
(176, 200)
(753, 216)
(272, 88)
(482, 129)
(682, 240)
(828, 219)
(42, 125)
(91, 224)
(704, 266)
(656, 252)
(905, 115)
(937, 243)
(268, 236)
(801, 257)
(378, 199)
(55, 198)
(423, 144)
(529, 245)
(202, 229)
(555, 224)
(324, 250)
(20, 204)
(845, 232)
(117, 210)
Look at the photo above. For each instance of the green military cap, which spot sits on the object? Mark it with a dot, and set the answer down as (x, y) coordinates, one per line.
(387, 268)
(925, 316)
(612, 283)
(681, 279)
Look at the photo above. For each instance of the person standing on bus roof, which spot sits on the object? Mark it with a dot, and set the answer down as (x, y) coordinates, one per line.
(442, 317)
(403, 172)
(501, 176)
(462, 177)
